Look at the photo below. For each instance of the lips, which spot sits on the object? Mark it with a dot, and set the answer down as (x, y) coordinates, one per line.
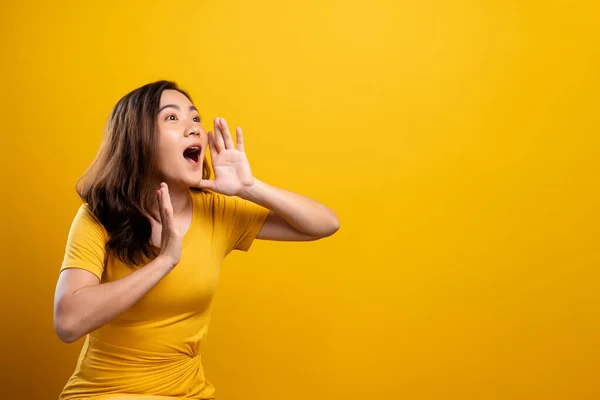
(192, 154)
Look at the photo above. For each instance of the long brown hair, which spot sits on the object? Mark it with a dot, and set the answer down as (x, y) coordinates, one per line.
(118, 185)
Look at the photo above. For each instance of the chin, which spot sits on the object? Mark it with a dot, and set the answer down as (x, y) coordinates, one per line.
(192, 178)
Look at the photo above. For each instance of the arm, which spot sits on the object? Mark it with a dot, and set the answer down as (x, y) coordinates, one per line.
(293, 216)
(82, 304)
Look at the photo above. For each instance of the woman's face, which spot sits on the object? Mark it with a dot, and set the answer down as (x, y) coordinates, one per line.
(181, 140)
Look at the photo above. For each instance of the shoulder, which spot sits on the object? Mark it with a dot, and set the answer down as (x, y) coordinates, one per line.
(213, 201)
(202, 196)
(224, 208)
(86, 221)
(86, 243)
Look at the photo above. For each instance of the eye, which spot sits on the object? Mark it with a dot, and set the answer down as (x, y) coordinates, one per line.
(171, 119)
(197, 119)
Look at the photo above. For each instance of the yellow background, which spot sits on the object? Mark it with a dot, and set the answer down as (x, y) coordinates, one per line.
(457, 140)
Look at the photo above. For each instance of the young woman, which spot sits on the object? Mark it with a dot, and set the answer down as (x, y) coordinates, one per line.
(143, 254)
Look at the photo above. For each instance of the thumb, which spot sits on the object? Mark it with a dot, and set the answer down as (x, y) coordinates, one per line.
(207, 184)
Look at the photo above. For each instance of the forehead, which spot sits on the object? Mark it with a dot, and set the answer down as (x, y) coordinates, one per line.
(170, 96)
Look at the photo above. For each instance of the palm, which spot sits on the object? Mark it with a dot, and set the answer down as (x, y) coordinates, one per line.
(231, 166)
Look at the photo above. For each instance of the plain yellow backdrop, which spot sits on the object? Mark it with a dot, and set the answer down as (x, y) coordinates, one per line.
(457, 140)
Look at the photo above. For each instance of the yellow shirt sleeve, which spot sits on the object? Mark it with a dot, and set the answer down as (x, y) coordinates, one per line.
(86, 242)
(241, 221)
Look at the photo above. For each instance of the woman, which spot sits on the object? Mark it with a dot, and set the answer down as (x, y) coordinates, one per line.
(143, 253)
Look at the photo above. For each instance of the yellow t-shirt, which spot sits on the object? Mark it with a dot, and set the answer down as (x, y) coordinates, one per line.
(153, 348)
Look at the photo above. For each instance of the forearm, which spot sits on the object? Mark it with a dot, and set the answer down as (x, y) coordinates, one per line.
(301, 212)
(91, 307)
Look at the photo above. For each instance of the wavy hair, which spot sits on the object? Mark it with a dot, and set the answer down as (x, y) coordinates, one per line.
(118, 185)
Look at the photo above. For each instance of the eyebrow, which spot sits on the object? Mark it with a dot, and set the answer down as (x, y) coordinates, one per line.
(175, 106)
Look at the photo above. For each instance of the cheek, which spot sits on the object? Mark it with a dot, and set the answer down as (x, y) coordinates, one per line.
(166, 154)
(167, 145)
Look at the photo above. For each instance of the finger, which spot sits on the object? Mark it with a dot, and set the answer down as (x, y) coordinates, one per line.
(168, 207)
(160, 205)
(226, 134)
(164, 219)
(164, 206)
(219, 135)
(207, 184)
(239, 138)
(212, 146)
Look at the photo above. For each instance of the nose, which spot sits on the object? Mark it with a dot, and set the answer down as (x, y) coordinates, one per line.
(194, 130)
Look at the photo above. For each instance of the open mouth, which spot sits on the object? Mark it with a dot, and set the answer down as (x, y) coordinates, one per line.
(192, 154)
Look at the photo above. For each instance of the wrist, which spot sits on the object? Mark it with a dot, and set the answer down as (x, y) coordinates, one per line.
(248, 192)
(165, 262)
